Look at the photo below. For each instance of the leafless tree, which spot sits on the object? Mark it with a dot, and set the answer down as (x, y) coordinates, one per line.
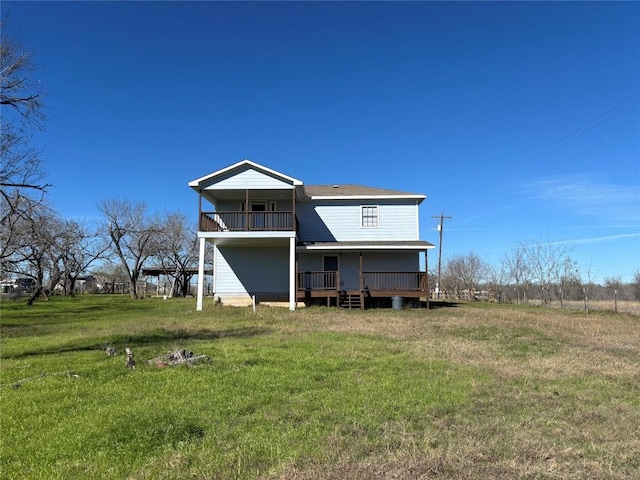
(569, 277)
(134, 236)
(22, 184)
(84, 248)
(545, 259)
(21, 172)
(588, 285)
(464, 272)
(518, 269)
(40, 243)
(177, 250)
(497, 277)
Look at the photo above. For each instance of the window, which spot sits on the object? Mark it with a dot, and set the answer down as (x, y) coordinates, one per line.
(370, 216)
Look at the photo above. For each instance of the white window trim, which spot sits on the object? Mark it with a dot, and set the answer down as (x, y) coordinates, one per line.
(377, 216)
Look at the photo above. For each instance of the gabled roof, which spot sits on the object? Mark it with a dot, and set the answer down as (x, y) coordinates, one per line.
(356, 191)
(240, 166)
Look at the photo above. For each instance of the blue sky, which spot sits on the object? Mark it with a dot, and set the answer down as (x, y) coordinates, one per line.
(520, 120)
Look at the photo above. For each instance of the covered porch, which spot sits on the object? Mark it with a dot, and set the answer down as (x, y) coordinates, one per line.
(356, 273)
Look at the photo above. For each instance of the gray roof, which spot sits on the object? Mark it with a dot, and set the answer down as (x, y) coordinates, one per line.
(351, 190)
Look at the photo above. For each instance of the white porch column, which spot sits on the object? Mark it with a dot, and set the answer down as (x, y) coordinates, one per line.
(292, 273)
(201, 274)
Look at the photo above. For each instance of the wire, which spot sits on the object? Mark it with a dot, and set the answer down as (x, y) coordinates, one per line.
(587, 127)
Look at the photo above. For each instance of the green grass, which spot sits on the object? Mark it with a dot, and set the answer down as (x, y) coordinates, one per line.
(317, 393)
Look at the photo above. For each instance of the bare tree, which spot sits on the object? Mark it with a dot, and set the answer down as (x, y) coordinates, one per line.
(40, 242)
(22, 113)
(545, 259)
(133, 234)
(497, 277)
(84, 248)
(177, 250)
(22, 184)
(588, 285)
(464, 272)
(569, 277)
(518, 269)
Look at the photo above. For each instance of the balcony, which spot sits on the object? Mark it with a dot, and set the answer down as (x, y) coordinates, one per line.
(247, 222)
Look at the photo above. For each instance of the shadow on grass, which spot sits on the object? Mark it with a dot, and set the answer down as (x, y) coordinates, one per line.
(436, 304)
(158, 337)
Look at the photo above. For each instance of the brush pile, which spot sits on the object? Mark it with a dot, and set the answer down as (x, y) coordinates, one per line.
(177, 357)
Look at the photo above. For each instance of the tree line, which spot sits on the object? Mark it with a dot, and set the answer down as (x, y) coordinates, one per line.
(539, 271)
(39, 243)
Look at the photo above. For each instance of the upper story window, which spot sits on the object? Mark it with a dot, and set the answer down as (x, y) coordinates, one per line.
(370, 216)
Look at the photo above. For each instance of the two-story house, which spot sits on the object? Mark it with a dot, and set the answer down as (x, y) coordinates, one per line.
(276, 239)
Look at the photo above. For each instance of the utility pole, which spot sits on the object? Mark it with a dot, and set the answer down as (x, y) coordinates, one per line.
(440, 229)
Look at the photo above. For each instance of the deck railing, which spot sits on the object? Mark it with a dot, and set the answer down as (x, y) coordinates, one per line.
(314, 281)
(246, 221)
(390, 281)
(372, 281)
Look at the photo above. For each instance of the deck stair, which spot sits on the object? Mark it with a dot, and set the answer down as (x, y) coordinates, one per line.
(350, 300)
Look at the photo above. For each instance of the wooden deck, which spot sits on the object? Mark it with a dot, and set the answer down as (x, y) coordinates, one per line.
(323, 285)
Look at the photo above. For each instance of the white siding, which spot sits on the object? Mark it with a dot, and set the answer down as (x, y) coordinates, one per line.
(252, 271)
(341, 221)
(249, 179)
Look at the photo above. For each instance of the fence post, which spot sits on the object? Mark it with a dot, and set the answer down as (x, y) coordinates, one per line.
(615, 300)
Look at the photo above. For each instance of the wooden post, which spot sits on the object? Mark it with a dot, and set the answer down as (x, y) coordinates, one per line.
(246, 210)
(426, 275)
(293, 208)
(361, 284)
(199, 209)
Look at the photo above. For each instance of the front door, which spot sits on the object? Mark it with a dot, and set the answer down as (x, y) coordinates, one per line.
(330, 269)
(258, 217)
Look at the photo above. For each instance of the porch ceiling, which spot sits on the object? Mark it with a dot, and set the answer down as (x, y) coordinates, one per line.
(240, 195)
(254, 242)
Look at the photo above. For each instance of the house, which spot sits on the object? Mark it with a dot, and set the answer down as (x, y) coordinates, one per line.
(276, 239)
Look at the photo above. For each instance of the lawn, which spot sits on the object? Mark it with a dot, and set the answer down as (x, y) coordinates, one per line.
(458, 391)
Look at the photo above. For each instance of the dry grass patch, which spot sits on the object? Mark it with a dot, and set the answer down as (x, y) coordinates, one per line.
(561, 400)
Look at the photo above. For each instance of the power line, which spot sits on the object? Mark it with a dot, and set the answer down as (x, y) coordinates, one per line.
(566, 161)
(578, 132)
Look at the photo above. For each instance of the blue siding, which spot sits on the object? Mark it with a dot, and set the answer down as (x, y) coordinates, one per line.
(341, 220)
(252, 271)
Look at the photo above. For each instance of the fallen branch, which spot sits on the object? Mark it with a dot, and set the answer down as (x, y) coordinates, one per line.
(177, 357)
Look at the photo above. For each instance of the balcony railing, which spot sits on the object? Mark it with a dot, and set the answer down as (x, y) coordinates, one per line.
(246, 221)
(371, 281)
(315, 281)
(390, 281)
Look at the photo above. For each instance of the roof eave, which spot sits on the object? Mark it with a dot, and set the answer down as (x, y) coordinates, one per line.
(195, 184)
